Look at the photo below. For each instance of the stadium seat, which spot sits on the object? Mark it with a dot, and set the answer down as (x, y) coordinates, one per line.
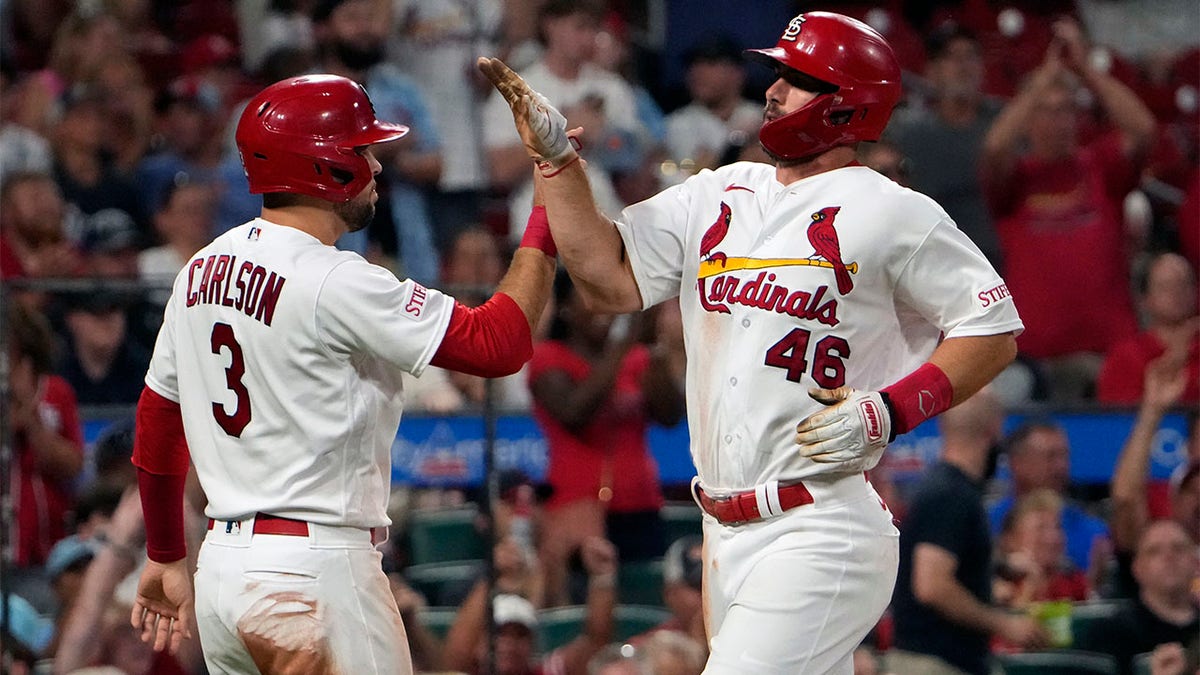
(641, 583)
(680, 519)
(559, 625)
(444, 583)
(437, 620)
(1059, 662)
(1086, 615)
(444, 535)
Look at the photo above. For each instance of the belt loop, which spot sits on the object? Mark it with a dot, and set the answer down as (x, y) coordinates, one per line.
(773, 498)
(696, 493)
(763, 502)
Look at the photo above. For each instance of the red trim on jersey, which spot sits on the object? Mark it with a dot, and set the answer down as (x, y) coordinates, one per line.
(492, 340)
(537, 232)
(924, 393)
(159, 445)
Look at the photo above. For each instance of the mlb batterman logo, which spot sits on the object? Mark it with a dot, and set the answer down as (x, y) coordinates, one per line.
(793, 28)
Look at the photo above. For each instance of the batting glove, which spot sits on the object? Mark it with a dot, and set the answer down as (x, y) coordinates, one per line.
(542, 128)
(853, 430)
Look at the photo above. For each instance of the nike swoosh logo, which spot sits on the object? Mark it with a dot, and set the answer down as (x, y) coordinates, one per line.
(732, 186)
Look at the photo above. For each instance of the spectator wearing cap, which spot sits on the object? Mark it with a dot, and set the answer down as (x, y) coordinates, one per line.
(718, 118)
(100, 362)
(83, 167)
(46, 438)
(21, 148)
(352, 40)
(110, 245)
(942, 137)
(65, 566)
(515, 618)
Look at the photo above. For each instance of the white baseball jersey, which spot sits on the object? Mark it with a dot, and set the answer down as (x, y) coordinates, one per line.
(285, 356)
(768, 314)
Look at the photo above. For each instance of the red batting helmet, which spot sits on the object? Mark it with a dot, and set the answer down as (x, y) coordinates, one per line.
(849, 56)
(301, 135)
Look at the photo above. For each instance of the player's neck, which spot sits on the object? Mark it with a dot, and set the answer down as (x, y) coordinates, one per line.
(788, 172)
(314, 220)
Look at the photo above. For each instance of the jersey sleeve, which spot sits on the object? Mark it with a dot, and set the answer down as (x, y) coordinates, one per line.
(954, 287)
(654, 232)
(162, 375)
(364, 309)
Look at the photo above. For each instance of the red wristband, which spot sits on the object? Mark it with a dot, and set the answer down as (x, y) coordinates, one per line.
(537, 233)
(924, 393)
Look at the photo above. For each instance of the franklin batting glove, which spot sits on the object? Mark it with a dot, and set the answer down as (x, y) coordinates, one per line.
(852, 431)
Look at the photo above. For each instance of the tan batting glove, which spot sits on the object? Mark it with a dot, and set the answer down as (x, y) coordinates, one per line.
(542, 128)
(852, 431)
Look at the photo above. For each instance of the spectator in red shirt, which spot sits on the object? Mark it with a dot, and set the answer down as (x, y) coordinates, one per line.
(595, 389)
(1058, 212)
(46, 437)
(1034, 566)
(1169, 303)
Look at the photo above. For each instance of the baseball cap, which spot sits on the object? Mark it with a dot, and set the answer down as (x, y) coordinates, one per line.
(684, 562)
(190, 90)
(108, 231)
(67, 553)
(28, 628)
(508, 608)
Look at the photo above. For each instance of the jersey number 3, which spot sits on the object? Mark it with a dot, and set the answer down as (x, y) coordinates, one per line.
(828, 369)
(222, 336)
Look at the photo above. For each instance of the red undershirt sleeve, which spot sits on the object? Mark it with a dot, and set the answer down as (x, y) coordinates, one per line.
(492, 340)
(160, 454)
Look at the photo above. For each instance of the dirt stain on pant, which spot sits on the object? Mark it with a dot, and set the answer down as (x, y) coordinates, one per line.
(284, 634)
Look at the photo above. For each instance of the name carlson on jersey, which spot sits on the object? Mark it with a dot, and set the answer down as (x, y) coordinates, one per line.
(251, 289)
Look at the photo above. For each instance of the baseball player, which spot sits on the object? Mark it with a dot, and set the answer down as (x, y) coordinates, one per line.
(279, 361)
(826, 309)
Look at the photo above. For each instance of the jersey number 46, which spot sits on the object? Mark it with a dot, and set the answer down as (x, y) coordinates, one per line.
(828, 369)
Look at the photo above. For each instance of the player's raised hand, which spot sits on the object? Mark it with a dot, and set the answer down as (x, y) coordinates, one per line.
(162, 609)
(852, 430)
(542, 128)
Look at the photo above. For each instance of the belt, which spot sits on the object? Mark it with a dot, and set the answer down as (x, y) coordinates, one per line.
(765, 501)
(290, 527)
(265, 524)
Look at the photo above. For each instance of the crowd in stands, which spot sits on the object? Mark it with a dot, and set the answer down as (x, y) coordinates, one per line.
(1062, 136)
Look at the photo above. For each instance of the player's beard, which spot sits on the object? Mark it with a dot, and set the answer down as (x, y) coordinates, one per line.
(356, 213)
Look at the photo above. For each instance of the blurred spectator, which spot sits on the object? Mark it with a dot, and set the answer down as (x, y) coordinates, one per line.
(1165, 609)
(942, 140)
(595, 388)
(516, 622)
(437, 42)
(352, 36)
(82, 165)
(270, 27)
(1058, 212)
(588, 96)
(1033, 566)
(1171, 325)
(1135, 499)
(670, 653)
(128, 104)
(718, 117)
(184, 225)
(886, 158)
(102, 364)
(1187, 217)
(424, 647)
(33, 228)
(941, 607)
(47, 444)
(1039, 457)
(472, 268)
(683, 588)
(65, 567)
(111, 454)
(110, 243)
(21, 148)
(187, 143)
(617, 659)
(616, 53)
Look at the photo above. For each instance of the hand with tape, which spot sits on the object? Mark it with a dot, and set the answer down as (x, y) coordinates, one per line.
(852, 431)
(542, 128)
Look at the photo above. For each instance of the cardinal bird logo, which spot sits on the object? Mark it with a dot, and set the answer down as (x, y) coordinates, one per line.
(824, 240)
(716, 232)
